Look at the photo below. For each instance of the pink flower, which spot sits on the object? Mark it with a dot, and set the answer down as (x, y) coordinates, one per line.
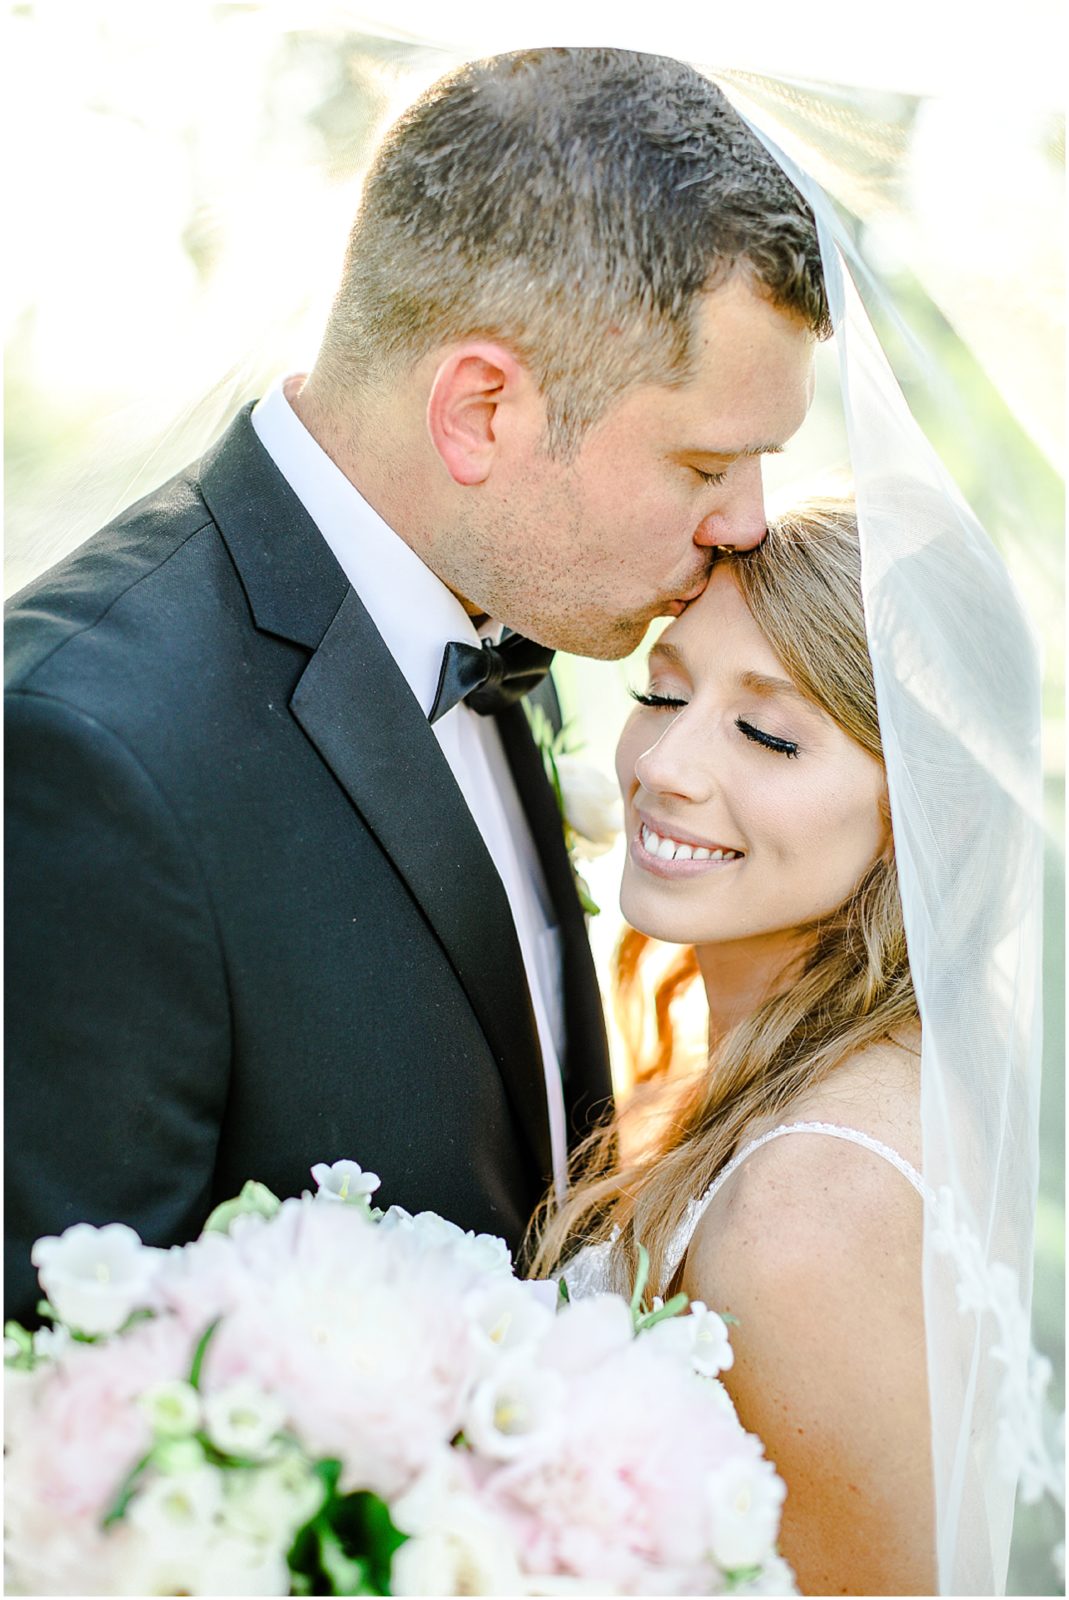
(71, 1441)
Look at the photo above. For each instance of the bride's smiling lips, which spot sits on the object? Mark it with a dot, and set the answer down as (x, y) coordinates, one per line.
(668, 851)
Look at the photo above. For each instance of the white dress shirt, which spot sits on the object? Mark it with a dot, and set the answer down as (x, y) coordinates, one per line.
(417, 616)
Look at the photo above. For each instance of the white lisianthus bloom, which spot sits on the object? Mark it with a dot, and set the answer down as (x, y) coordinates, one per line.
(207, 1561)
(745, 1498)
(178, 1506)
(514, 1402)
(95, 1278)
(241, 1420)
(456, 1546)
(344, 1181)
(273, 1501)
(591, 804)
(172, 1408)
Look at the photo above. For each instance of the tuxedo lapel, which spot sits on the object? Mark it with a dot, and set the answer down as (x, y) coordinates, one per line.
(354, 705)
(587, 1079)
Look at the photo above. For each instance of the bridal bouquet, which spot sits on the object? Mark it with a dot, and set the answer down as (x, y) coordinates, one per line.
(316, 1397)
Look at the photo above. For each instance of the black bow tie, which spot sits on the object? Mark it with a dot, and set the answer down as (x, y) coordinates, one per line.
(490, 678)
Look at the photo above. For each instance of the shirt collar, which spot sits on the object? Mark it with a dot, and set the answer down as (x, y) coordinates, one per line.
(410, 606)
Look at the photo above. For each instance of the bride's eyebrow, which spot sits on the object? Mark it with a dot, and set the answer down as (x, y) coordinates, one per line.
(669, 654)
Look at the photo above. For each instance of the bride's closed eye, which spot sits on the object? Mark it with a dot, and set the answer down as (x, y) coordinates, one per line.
(657, 702)
(770, 741)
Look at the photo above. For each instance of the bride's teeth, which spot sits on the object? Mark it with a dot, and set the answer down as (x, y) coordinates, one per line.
(666, 849)
(684, 852)
(702, 854)
(718, 855)
(648, 838)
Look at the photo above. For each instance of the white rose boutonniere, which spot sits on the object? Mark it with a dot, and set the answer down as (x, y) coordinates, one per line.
(590, 806)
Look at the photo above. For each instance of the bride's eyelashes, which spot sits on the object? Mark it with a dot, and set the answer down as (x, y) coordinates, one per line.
(657, 702)
(769, 741)
(784, 747)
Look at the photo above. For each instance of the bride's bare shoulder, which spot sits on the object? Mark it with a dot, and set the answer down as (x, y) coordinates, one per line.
(813, 1205)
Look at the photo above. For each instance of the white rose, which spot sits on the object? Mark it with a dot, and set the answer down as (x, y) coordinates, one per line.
(241, 1420)
(95, 1277)
(592, 806)
(344, 1181)
(745, 1497)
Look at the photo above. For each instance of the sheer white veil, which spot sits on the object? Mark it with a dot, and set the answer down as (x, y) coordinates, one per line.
(956, 668)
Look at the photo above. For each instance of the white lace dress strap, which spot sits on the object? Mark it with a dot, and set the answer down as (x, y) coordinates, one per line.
(696, 1209)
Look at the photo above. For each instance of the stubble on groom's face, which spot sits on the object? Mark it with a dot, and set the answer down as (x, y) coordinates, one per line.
(583, 555)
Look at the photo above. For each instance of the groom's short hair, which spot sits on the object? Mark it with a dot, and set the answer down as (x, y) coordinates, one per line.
(569, 203)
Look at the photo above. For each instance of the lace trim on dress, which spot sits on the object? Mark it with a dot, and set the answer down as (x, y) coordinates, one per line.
(696, 1209)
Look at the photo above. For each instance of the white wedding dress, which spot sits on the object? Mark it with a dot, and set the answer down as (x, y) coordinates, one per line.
(587, 1271)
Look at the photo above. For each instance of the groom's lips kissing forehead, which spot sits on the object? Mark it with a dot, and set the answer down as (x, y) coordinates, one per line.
(677, 606)
(668, 851)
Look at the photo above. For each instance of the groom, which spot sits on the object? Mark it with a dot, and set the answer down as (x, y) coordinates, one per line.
(285, 880)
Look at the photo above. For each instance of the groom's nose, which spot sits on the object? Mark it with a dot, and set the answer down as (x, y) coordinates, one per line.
(739, 520)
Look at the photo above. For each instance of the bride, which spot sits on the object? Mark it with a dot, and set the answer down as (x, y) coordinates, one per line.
(781, 1184)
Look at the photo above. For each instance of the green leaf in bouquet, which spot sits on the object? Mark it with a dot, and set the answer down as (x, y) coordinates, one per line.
(22, 1359)
(563, 1295)
(739, 1577)
(200, 1352)
(642, 1278)
(671, 1308)
(126, 1492)
(363, 1524)
(348, 1546)
(586, 899)
(255, 1200)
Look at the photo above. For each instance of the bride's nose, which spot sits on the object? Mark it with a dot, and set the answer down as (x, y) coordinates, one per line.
(673, 765)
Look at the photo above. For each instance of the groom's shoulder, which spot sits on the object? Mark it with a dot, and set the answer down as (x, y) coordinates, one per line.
(80, 596)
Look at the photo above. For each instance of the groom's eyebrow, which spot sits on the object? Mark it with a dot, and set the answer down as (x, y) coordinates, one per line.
(734, 454)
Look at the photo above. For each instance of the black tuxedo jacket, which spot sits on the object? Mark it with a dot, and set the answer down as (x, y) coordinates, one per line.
(251, 923)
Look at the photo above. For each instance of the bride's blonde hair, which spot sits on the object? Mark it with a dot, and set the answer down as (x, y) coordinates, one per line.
(803, 588)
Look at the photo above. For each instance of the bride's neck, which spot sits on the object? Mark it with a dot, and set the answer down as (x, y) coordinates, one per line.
(741, 976)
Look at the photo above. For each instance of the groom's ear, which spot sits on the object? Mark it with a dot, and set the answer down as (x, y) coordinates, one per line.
(480, 404)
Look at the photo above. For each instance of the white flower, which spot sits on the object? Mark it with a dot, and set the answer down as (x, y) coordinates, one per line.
(344, 1181)
(711, 1352)
(508, 1314)
(177, 1506)
(241, 1419)
(95, 1277)
(208, 1561)
(484, 1252)
(273, 1501)
(515, 1401)
(456, 1545)
(744, 1499)
(591, 804)
(172, 1408)
(48, 1343)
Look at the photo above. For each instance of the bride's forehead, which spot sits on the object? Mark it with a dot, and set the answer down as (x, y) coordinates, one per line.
(716, 628)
